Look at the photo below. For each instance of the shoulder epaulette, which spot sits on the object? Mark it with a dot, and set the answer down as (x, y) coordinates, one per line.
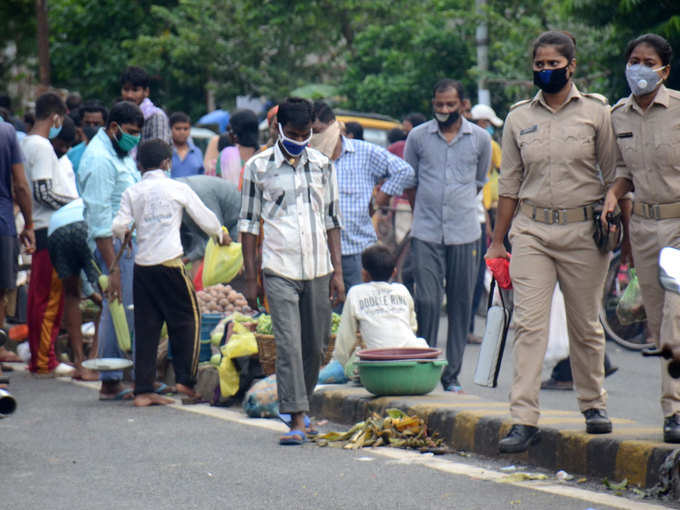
(619, 104)
(520, 103)
(595, 95)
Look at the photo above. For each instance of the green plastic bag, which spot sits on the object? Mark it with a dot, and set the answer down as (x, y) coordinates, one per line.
(120, 324)
(630, 308)
(221, 263)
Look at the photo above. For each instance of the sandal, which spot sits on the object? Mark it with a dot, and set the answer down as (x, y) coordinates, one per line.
(126, 394)
(293, 438)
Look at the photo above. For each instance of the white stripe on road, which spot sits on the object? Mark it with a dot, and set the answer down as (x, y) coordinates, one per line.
(438, 463)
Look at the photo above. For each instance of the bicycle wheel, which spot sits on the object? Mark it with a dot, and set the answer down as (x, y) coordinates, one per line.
(631, 336)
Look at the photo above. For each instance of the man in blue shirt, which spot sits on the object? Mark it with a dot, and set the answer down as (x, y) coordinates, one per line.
(451, 157)
(360, 166)
(13, 187)
(187, 159)
(106, 171)
(91, 116)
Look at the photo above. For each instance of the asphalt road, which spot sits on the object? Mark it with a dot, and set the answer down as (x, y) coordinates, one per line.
(63, 449)
(633, 391)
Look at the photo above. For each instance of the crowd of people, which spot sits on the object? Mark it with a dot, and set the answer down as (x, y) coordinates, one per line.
(85, 183)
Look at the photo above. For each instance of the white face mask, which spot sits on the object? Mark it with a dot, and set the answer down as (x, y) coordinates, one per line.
(327, 141)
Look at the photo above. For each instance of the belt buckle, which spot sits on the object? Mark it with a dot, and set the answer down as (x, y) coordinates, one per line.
(547, 216)
(560, 216)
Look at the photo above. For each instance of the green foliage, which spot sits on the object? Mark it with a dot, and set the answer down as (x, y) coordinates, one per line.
(17, 27)
(394, 67)
(87, 42)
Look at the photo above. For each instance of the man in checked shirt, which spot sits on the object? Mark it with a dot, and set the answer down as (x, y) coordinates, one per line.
(293, 189)
(361, 167)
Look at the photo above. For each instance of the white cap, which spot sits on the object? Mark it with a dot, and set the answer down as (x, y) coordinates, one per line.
(485, 112)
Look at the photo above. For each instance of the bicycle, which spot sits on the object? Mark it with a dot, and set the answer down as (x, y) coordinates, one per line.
(632, 336)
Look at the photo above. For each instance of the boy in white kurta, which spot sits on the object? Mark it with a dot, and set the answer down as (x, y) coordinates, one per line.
(381, 311)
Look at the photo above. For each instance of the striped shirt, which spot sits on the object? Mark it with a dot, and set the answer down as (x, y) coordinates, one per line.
(360, 167)
(297, 205)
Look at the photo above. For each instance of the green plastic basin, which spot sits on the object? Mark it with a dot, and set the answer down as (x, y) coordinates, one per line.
(400, 377)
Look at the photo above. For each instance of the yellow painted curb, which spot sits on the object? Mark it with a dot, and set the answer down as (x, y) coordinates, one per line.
(632, 458)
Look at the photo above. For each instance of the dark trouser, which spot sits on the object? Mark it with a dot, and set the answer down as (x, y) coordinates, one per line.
(301, 317)
(457, 265)
(351, 274)
(165, 294)
(479, 284)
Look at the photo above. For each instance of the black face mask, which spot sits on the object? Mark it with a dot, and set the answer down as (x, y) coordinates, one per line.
(90, 131)
(451, 119)
(551, 81)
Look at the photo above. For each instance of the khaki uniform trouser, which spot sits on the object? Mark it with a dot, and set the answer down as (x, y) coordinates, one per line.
(543, 255)
(662, 308)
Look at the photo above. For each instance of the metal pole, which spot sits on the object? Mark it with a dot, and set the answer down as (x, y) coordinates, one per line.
(482, 42)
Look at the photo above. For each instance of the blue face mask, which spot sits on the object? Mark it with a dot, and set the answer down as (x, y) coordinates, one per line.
(293, 147)
(54, 131)
(490, 130)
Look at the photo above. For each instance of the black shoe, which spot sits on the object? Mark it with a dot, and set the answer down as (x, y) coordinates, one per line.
(597, 421)
(610, 370)
(671, 429)
(554, 384)
(519, 439)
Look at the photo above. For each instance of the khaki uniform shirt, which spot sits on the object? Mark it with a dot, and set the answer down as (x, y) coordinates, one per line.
(558, 158)
(649, 144)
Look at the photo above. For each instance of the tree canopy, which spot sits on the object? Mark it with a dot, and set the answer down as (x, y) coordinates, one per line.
(382, 56)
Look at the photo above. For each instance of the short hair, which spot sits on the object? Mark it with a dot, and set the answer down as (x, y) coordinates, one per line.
(295, 111)
(356, 129)
(245, 126)
(323, 112)
(224, 141)
(125, 112)
(395, 135)
(49, 104)
(5, 114)
(563, 41)
(378, 262)
(68, 130)
(448, 84)
(415, 118)
(153, 152)
(179, 117)
(73, 101)
(660, 45)
(6, 102)
(136, 76)
(94, 106)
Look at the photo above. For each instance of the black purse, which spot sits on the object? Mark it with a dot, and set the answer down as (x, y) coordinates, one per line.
(607, 240)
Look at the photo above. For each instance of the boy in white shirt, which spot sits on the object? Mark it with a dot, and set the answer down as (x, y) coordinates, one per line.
(162, 289)
(381, 311)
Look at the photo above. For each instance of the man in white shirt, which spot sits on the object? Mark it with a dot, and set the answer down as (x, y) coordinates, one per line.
(45, 301)
(162, 290)
(294, 191)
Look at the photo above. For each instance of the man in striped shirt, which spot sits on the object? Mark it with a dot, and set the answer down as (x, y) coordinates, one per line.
(293, 190)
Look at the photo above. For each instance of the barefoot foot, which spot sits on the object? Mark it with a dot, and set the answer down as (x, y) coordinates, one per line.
(151, 399)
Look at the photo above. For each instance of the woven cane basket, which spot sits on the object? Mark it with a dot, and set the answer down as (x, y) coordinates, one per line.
(266, 352)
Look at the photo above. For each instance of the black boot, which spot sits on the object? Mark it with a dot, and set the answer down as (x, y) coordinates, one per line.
(597, 421)
(671, 429)
(519, 439)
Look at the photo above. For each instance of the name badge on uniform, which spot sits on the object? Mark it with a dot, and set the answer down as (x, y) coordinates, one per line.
(528, 130)
(624, 135)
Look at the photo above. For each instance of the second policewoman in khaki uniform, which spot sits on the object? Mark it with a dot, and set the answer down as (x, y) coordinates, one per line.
(647, 129)
(559, 153)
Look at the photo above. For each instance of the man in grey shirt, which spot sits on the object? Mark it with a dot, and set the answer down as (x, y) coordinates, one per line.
(451, 157)
(222, 198)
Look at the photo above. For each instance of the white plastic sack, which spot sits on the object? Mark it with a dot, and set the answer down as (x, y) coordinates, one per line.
(558, 337)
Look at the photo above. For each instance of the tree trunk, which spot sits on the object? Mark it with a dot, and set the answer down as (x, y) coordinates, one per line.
(43, 42)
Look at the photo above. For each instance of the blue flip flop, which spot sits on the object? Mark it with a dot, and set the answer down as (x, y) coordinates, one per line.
(287, 419)
(163, 389)
(293, 438)
(121, 395)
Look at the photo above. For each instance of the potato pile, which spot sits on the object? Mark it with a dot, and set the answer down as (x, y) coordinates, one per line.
(222, 299)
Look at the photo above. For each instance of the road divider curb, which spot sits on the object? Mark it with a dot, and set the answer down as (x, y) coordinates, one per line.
(474, 425)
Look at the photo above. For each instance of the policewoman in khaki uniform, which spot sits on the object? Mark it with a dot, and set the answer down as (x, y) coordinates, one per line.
(559, 153)
(647, 129)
